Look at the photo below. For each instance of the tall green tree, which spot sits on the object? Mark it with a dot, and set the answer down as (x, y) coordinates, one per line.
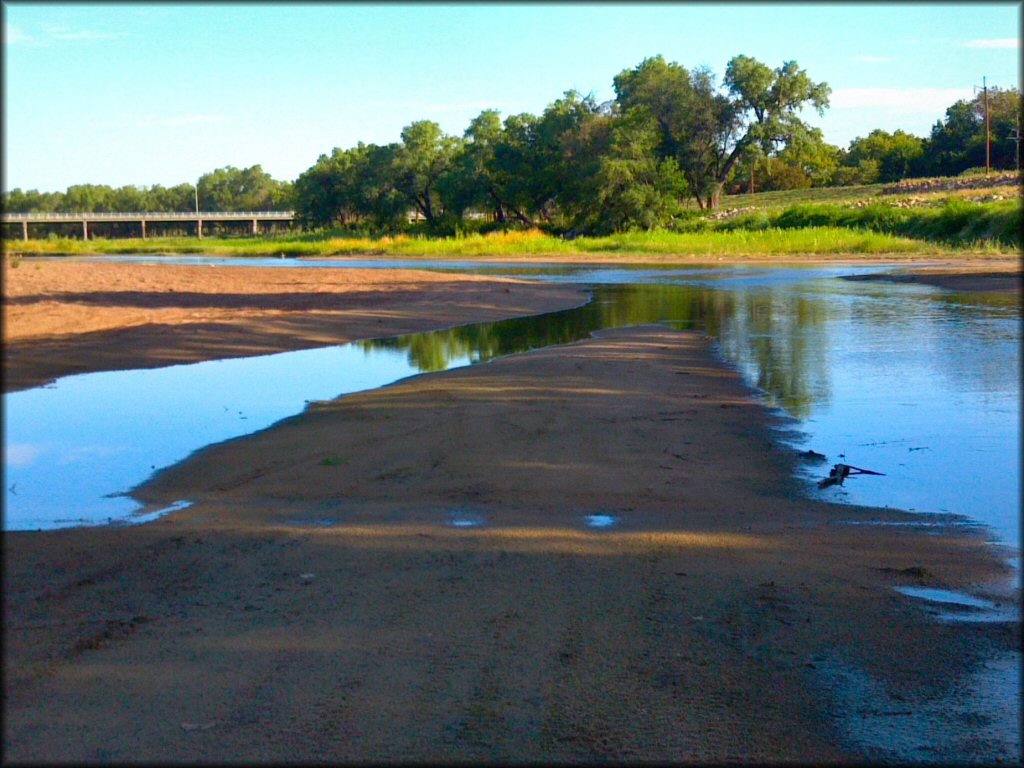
(421, 161)
(958, 141)
(87, 198)
(897, 154)
(515, 168)
(708, 131)
(636, 188)
(471, 179)
(238, 189)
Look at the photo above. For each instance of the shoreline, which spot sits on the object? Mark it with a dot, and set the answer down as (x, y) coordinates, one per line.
(62, 319)
(407, 573)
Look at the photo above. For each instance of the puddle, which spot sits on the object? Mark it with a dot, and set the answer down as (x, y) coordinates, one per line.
(320, 522)
(977, 610)
(976, 721)
(945, 596)
(464, 520)
(148, 517)
(600, 521)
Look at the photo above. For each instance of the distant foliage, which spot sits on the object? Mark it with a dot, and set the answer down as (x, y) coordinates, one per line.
(668, 147)
(226, 189)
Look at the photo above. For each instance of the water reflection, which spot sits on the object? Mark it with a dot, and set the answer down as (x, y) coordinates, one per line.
(779, 335)
(917, 383)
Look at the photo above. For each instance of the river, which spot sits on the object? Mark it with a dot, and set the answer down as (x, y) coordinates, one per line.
(917, 383)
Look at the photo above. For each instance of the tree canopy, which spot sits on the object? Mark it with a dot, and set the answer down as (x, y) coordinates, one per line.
(670, 136)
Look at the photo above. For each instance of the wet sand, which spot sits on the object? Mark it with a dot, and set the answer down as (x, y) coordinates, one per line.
(997, 275)
(63, 318)
(319, 601)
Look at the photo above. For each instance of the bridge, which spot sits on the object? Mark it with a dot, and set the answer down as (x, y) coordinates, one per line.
(142, 218)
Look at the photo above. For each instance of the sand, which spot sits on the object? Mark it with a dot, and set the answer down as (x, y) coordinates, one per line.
(316, 601)
(62, 318)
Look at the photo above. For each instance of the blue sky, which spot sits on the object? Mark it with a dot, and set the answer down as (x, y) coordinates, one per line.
(125, 93)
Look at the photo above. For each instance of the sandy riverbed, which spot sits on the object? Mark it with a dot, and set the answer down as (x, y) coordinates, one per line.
(62, 318)
(317, 602)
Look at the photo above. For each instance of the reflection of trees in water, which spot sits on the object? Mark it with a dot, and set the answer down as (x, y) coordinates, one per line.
(777, 337)
(782, 339)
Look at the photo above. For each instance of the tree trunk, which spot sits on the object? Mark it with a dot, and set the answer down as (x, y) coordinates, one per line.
(714, 195)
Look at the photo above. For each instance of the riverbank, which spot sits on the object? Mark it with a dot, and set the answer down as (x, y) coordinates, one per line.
(745, 242)
(66, 317)
(63, 318)
(408, 574)
(1003, 276)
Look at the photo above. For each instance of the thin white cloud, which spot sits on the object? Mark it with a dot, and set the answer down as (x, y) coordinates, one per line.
(80, 34)
(997, 42)
(905, 99)
(868, 59)
(181, 120)
(22, 454)
(14, 35)
(436, 108)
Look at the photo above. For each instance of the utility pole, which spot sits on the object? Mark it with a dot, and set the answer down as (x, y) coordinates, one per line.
(988, 129)
(199, 222)
(1015, 138)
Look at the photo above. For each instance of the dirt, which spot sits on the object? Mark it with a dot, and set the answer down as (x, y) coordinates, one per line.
(1004, 276)
(954, 184)
(316, 601)
(63, 318)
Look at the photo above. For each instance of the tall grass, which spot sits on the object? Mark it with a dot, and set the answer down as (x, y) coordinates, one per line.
(774, 241)
(957, 222)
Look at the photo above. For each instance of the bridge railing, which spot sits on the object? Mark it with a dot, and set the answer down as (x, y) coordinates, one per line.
(164, 215)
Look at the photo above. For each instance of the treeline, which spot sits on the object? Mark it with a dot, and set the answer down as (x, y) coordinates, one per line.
(580, 167)
(671, 138)
(225, 189)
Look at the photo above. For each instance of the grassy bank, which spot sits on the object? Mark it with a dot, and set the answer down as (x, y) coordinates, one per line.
(924, 216)
(956, 223)
(817, 241)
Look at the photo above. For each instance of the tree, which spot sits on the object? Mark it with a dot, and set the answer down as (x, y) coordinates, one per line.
(420, 162)
(958, 142)
(470, 182)
(569, 144)
(708, 132)
(515, 168)
(898, 154)
(234, 189)
(322, 193)
(87, 198)
(32, 201)
(635, 187)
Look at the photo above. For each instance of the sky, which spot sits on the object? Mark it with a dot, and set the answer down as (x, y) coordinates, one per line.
(158, 93)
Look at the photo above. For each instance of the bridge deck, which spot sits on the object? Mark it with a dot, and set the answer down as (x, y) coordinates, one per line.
(40, 218)
(145, 217)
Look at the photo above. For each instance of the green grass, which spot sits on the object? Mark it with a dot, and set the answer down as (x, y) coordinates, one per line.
(957, 222)
(789, 197)
(822, 221)
(772, 241)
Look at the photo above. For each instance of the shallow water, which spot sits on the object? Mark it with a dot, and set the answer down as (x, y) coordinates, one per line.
(976, 721)
(918, 383)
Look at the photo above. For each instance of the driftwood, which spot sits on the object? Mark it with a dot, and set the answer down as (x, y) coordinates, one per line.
(840, 472)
